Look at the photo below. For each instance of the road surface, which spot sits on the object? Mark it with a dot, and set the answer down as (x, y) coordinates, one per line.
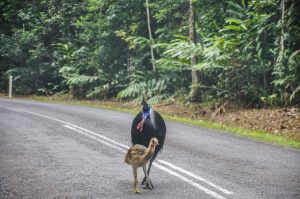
(50, 150)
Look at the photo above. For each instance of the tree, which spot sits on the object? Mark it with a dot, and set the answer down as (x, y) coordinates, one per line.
(205, 51)
(195, 87)
(150, 36)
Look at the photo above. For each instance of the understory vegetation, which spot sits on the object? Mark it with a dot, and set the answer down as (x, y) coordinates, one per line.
(205, 51)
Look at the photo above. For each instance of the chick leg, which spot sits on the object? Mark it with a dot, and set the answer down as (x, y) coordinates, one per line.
(148, 181)
(144, 179)
(149, 168)
(136, 189)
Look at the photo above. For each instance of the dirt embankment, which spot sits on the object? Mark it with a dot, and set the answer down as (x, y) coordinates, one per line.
(279, 121)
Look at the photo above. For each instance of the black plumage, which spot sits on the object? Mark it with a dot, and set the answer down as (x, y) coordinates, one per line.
(148, 124)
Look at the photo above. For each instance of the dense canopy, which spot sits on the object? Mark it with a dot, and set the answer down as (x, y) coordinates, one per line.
(243, 51)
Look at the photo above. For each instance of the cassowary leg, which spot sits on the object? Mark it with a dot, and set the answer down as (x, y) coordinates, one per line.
(148, 181)
(149, 184)
(136, 189)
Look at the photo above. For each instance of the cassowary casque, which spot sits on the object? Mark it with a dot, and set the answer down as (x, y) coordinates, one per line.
(148, 124)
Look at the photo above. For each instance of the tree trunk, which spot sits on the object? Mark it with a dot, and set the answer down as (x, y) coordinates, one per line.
(280, 66)
(195, 89)
(280, 57)
(282, 29)
(128, 60)
(150, 36)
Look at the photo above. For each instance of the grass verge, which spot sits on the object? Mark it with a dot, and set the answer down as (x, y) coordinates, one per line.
(259, 135)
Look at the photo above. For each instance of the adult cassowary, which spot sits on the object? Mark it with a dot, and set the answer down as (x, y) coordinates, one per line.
(148, 124)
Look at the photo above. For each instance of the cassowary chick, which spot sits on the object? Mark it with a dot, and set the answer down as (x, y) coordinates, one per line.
(138, 156)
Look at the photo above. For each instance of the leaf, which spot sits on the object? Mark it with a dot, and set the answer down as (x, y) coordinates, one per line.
(292, 96)
(232, 27)
(244, 26)
(236, 21)
(259, 54)
(235, 5)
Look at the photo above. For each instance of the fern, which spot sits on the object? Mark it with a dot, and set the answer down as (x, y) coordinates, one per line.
(156, 86)
(98, 92)
(82, 80)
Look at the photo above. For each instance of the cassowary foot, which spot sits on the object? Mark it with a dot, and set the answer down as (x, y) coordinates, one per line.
(148, 185)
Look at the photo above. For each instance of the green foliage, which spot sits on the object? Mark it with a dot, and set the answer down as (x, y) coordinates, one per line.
(154, 88)
(271, 100)
(177, 53)
(49, 90)
(101, 49)
(287, 68)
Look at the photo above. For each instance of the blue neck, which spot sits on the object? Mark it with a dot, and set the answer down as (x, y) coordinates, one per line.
(146, 113)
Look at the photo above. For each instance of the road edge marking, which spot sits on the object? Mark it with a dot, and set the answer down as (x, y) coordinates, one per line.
(195, 176)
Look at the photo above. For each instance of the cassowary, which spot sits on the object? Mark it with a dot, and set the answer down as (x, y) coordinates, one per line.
(138, 156)
(148, 124)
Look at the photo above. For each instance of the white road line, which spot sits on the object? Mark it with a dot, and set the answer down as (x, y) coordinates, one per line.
(83, 129)
(102, 136)
(15, 110)
(195, 176)
(95, 138)
(195, 184)
(206, 190)
(123, 148)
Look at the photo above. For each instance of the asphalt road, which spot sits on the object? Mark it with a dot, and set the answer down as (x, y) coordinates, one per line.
(52, 150)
